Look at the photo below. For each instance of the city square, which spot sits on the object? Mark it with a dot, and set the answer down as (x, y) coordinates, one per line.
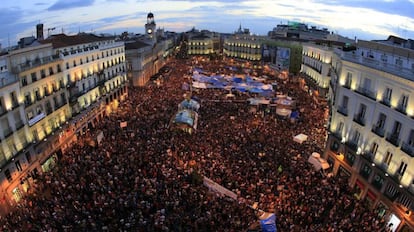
(146, 177)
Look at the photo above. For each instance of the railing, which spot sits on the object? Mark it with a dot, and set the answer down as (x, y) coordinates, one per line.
(343, 110)
(393, 139)
(352, 144)
(379, 65)
(366, 92)
(401, 108)
(386, 101)
(19, 124)
(7, 132)
(337, 134)
(359, 119)
(407, 148)
(34, 63)
(378, 130)
(368, 155)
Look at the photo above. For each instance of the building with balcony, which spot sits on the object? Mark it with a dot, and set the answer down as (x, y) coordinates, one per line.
(144, 58)
(53, 90)
(203, 43)
(371, 139)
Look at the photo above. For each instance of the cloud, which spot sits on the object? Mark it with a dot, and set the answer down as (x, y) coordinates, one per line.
(67, 4)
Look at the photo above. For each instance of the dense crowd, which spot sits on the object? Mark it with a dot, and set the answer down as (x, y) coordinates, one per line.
(147, 177)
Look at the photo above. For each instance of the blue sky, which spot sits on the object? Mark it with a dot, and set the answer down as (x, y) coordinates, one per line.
(368, 19)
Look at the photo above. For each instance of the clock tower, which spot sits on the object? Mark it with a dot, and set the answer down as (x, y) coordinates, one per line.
(150, 26)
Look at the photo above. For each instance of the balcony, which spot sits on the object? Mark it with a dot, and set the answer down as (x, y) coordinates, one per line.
(378, 131)
(15, 104)
(393, 139)
(359, 119)
(347, 85)
(29, 64)
(366, 92)
(343, 110)
(386, 101)
(368, 155)
(401, 108)
(352, 144)
(7, 132)
(28, 102)
(407, 148)
(337, 134)
(19, 124)
(2, 111)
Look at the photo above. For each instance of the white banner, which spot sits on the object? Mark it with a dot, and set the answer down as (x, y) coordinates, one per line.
(218, 188)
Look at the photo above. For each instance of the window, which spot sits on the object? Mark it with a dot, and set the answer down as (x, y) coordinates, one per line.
(74, 63)
(381, 121)
(402, 104)
(402, 168)
(362, 110)
(8, 175)
(388, 158)
(356, 137)
(397, 128)
(67, 65)
(24, 81)
(384, 58)
(51, 71)
(374, 149)
(18, 166)
(42, 73)
(348, 80)
(399, 62)
(28, 157)
(411, 138)
(345, 100)
(34, 77)
(388, 94)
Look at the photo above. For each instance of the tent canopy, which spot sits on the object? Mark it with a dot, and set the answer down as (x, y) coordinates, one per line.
(318, 162)
(190, 104)
(184, 116)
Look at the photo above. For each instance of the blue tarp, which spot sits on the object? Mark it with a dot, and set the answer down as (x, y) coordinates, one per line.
(294, 114)
(269, 224)
(190, 104)
(184, 116)
(255, 90)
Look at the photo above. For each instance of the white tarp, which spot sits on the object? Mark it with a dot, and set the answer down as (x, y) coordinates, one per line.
(283, 112)
(213, 186)
(318, 162)
(300, 138)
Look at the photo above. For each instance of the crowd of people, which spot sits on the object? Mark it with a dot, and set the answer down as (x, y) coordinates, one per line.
(147, 177)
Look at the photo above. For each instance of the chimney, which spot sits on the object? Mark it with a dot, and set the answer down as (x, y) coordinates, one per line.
(39, 31)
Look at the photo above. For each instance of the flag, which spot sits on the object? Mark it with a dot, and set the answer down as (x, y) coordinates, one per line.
(280, 169)
(268, 222)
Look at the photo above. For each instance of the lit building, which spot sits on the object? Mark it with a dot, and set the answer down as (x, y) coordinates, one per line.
(371, 139)
(52, 91)
(316, 68)
(203, 43)
(244, 47)
(145, 57)
(299, 31)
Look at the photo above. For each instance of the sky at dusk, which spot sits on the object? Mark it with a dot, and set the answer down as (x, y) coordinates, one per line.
(365, 19)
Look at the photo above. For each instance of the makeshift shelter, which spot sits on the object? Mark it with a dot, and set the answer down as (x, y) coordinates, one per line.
(189, 104)
(283, 112)
(300, 138)
(185, 120)
(318, 162)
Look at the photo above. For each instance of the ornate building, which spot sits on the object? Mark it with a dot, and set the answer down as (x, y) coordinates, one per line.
(52, 91)
(371, 130)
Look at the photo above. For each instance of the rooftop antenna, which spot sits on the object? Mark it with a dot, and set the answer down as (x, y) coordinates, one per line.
(49, 30)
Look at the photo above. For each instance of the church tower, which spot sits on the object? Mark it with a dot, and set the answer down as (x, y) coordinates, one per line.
(150, 27)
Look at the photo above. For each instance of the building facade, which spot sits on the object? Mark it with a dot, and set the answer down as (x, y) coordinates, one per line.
(57, 89)
(371, 130)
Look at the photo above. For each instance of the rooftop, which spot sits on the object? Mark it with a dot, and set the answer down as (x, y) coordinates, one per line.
(63, 40)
